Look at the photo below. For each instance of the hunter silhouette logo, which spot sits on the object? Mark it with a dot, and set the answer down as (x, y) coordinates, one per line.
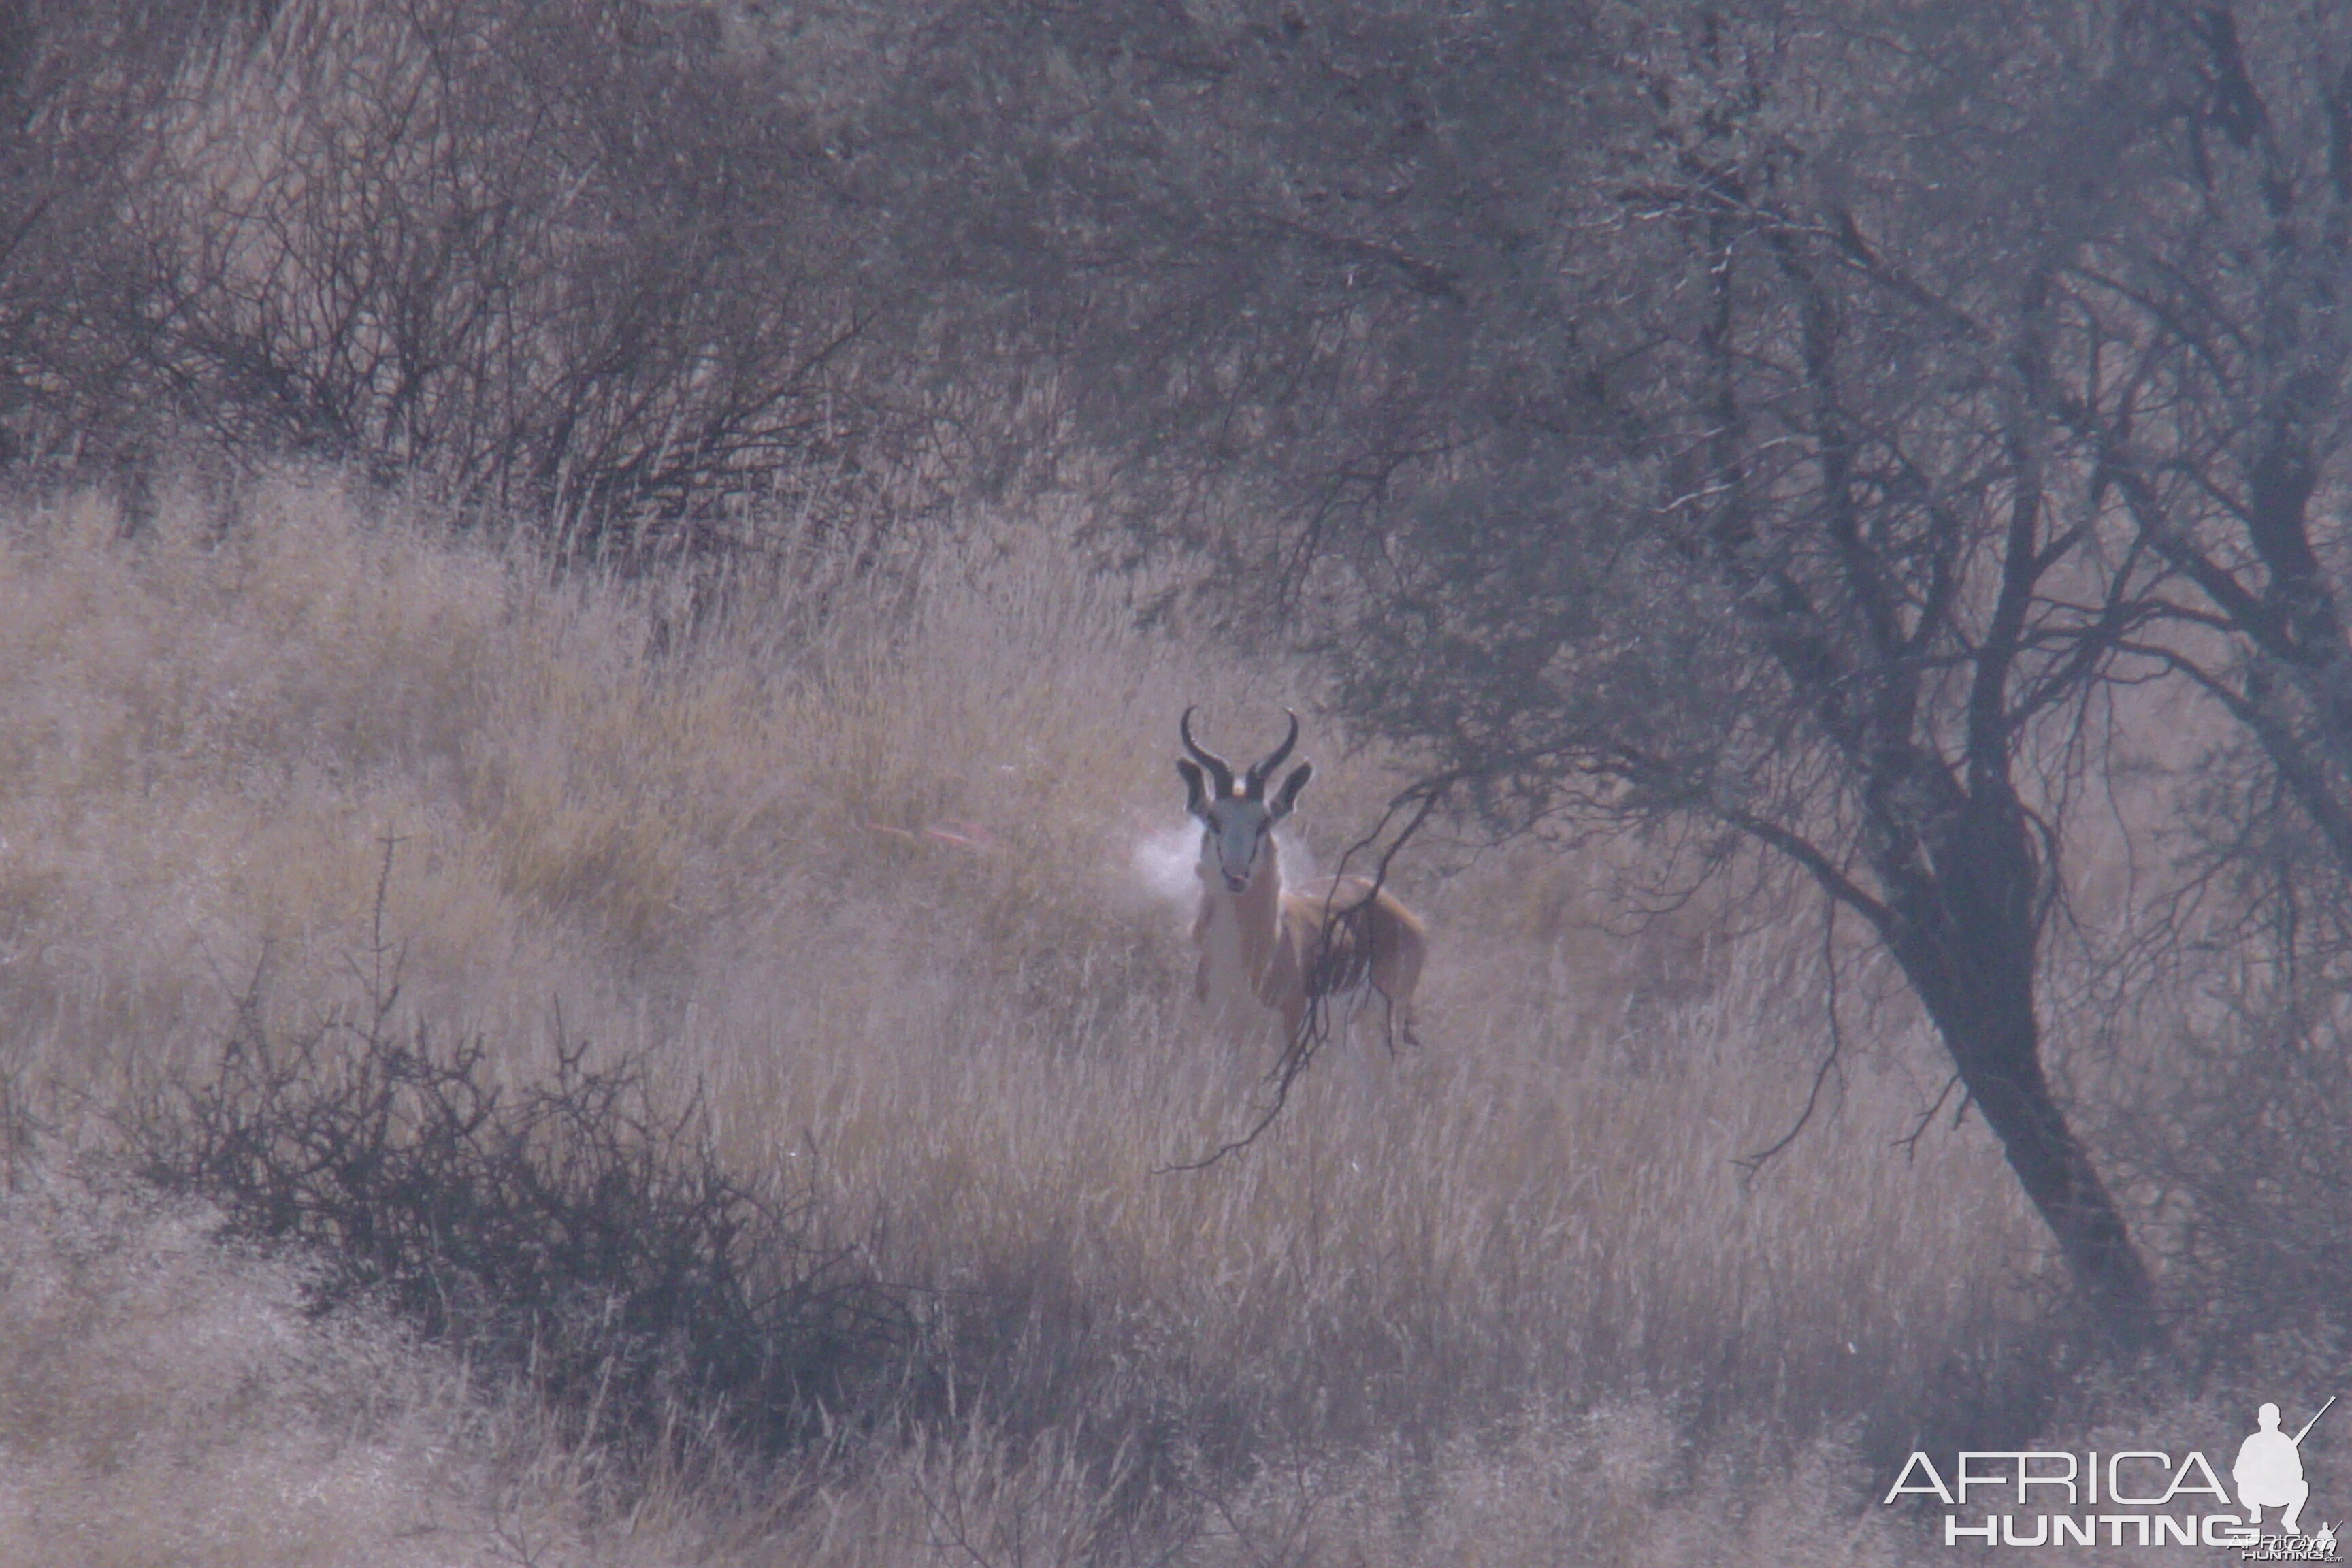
(2269, 1471)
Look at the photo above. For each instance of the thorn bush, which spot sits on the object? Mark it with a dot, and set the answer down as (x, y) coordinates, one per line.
(569, 1232)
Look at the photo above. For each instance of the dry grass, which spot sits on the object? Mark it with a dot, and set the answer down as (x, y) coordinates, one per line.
(166, 1402)
(883, 894)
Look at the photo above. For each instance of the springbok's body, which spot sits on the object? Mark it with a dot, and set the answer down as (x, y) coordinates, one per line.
(1271, 953)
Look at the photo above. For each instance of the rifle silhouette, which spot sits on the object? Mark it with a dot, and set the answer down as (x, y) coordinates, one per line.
(2313, 1422)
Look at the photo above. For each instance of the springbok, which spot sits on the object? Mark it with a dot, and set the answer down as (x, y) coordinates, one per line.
(1270, 950)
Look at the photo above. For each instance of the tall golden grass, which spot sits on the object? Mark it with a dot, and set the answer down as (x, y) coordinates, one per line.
(882, 891)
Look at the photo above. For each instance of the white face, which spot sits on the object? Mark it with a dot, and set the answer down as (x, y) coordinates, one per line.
(1232, 834)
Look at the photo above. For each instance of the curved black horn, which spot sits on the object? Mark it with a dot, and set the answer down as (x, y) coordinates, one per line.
(1254, 781)
(1218, 770)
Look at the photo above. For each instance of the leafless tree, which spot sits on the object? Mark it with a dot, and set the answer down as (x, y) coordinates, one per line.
(2206, 355)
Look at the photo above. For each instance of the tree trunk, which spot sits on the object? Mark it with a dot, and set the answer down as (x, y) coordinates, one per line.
(1965, 933)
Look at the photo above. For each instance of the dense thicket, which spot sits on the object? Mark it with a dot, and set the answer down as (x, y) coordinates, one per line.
(591, 266)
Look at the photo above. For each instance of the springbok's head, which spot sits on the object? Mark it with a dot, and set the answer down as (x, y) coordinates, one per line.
(1236, 821)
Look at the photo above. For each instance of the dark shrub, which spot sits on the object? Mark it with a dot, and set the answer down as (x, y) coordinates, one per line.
(570, 1232)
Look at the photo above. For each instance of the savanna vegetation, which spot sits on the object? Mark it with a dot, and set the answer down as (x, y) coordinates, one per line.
(593, 601)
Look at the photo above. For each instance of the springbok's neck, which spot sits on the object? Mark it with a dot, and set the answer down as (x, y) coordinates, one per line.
(1256, 909)
(1266, 878)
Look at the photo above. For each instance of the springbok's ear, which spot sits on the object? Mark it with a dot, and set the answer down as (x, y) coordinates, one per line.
(1287, 796)
(1195, 801)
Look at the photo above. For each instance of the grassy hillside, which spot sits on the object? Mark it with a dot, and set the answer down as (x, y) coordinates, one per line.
(891, 888)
